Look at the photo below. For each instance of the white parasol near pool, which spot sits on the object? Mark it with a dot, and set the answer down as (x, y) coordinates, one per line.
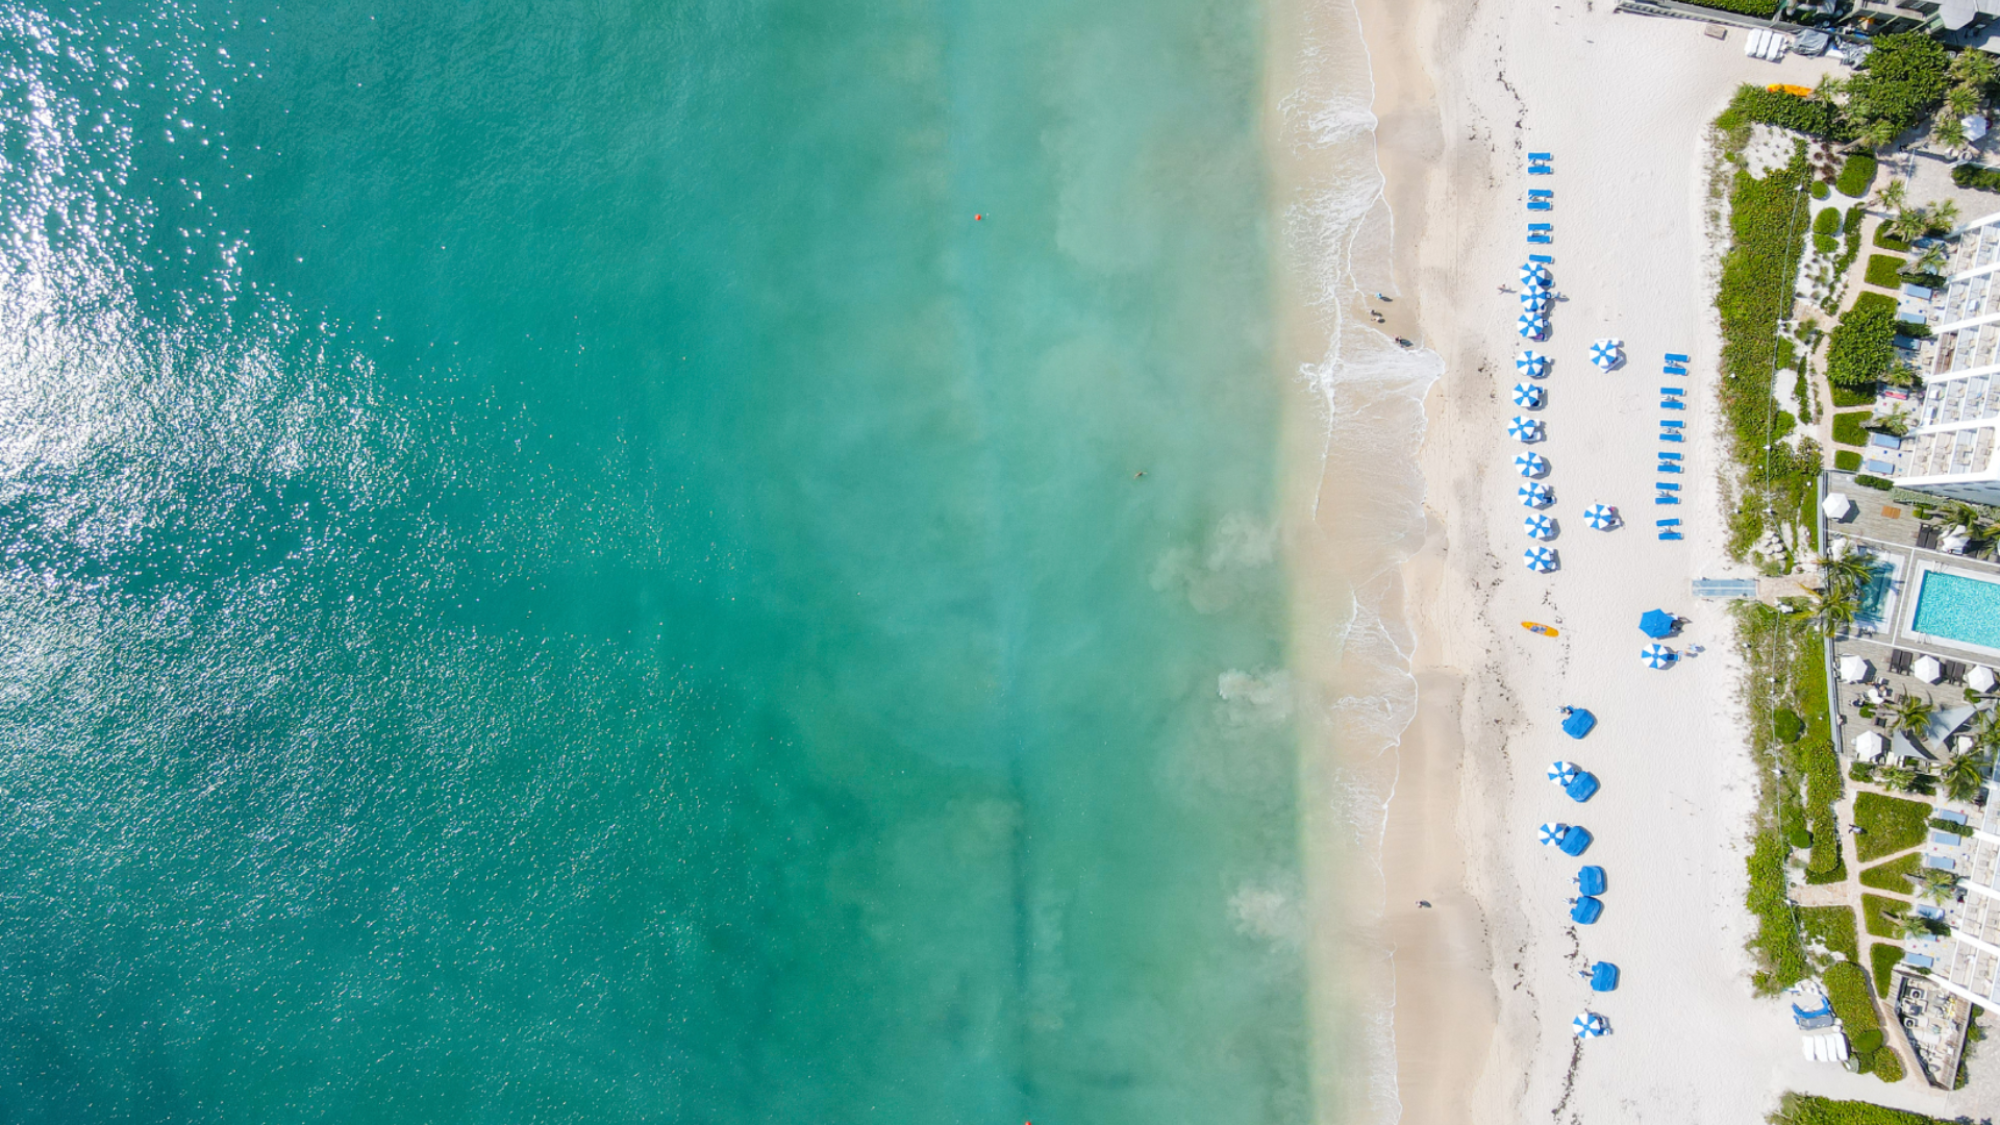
(1870, 745)
(1837, 505)
(1853, 669)
(1980, 679)
(1927, 669)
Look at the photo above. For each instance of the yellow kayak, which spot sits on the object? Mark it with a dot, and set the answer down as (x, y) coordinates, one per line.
(1538, 627)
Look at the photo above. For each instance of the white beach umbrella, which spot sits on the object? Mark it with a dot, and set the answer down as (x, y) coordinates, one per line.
(1927, 669)
(1562, 773)
(1535, 273)
(1837, 505)
(1853, 669)
(1551, 834)
(1539, 526)
(1541, 560)
(1534, 365)
(1524, 429)
(1535, 494)
(1535, 300)
(1657, 656)
(1955, 540)
(1601, 517)
(1980, 679)
(1870, 745)
(1589, 1025)
(1530, 464)
(1605, 354)
(1528, 396)
(1531, 327)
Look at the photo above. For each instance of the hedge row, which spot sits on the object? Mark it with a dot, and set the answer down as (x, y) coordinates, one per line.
(1882, 271)
(1810, 1109)
(1787, 111)
(1976, 176)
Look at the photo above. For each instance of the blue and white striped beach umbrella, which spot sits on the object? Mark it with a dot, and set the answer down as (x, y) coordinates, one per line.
(1535, 300)
(1601, 517)
(1562, 773)
(1532, 364)
(1528, 396)
(1535, 273)
(1535, 494)
(1589, 1025)
(1541, 560)
(1539, 526)
(1530, 464)
(1532, 327)
(1658, 656)
(1607, 353)
(1551, 834)
(1524, 429)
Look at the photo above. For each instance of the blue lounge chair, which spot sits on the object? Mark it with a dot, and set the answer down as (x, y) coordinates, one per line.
(1667, 485)
(1672, 404)
(1673, 371)
(1669, 467)
(1670, 535)
(1671, 436)
(1542, 239)
(1578, 722)
(1586, 911)
(1666, 523)
(1542, 258)
(1583, 788)
(1676, 357)
(1541, 156)
(1575, 841)
(1664, 456)
(1540, 170)
(1603, 977)
(1540, 193)
(1671, 423)
(1590, 880)
(1540, 205)
(1673, 390)
(1541, 226)
(1666, 498)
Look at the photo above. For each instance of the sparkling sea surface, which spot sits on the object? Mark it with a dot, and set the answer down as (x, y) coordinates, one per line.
(550, 570)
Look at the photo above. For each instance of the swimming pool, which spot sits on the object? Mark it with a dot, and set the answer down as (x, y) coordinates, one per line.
(1958, 608)
(1875, 595)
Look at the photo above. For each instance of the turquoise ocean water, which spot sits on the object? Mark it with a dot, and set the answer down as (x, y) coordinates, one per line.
(550, 570)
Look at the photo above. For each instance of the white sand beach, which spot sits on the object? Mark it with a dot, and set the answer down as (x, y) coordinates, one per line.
(1486, 983)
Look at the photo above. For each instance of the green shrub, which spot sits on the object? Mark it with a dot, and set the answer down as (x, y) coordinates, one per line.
(1857, 175)
(1833, 927)
(1827, 221)
(1856, 216)
(1882, 270)
(1879, 914)
(1888, 241)
(1825, 243)
(1787, 725)
(1862, 347)
(1848, 461)
(1888, 1065)
(1854, 396)
(1888, 825)
(1976, 176)
(1866, 481)
(1847, 988)
(1859, 771)
(1883, 958)
(1893, 876)
(1847, 429)
(1902, 81)
(1800, 837)
(1820, 190)
(1867, 1042)
(1809, 1109)
(1951, 826)
(1786, 111)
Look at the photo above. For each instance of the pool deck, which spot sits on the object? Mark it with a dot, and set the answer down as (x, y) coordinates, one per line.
(1890, 530)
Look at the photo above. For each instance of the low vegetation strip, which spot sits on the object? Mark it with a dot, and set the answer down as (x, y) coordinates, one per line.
(1976, 176)
(1810, 1109)
(1883, 958)
(1832, 927)
(1882, 270)
(1883, 914)
(1893, 876)
(1853, 1001)
(1888, 825)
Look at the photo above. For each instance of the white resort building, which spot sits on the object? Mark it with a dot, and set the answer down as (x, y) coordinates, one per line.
(1950, 447)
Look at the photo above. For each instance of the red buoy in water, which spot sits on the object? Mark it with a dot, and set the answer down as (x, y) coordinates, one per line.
(975, 219)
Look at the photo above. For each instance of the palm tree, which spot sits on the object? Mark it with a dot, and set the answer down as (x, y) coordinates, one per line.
(1933, 260)
(1973, 68)
(1938, 886)
(1913, 715)
(1962, 100)
(1828, 88)
(1895, 422)
(1891, 196)
(1948, 131)
(1900, 778)
(1964, 775)
(1849, 571)
(1970, 519)
(1835, 609)
(1908, 223)
(1941, 215)
(1913, 926)
(1880, 133)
